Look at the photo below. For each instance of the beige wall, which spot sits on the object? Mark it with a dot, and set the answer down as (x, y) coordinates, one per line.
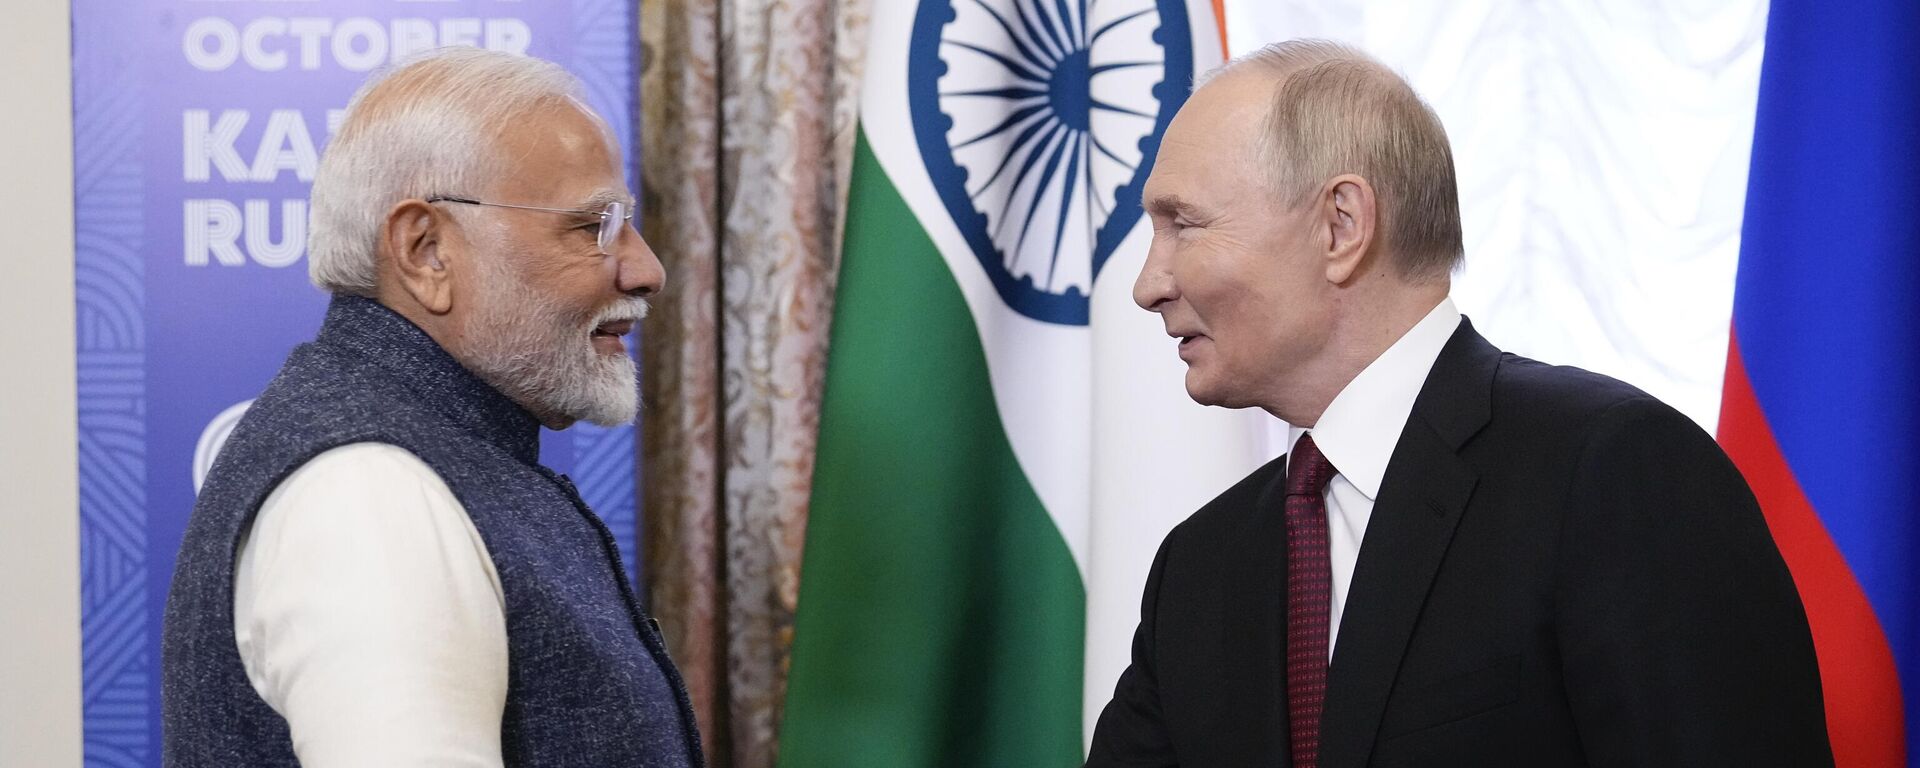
(39, 520)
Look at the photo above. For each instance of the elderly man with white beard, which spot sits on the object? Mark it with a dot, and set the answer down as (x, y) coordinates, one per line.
(378, 570)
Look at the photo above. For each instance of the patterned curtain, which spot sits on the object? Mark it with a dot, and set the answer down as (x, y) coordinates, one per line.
(748, 128)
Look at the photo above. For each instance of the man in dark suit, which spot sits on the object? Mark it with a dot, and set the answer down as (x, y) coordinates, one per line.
(1467, 558)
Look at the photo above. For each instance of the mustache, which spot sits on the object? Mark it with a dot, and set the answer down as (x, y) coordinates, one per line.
(633, 309)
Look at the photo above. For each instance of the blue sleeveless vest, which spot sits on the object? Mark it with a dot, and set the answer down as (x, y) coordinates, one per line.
(589, 682)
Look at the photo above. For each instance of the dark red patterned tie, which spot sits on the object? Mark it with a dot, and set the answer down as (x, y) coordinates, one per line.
(1309, 598)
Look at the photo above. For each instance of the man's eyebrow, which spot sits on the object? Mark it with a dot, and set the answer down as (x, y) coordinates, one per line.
(1170, 205)
(598, 201)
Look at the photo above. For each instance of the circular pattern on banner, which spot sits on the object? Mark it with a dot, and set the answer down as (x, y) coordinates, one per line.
(213, 438)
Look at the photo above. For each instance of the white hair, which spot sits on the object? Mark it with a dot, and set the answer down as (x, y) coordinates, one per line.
(425, 127)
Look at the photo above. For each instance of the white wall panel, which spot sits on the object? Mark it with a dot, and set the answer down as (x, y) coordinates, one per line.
(39, 494)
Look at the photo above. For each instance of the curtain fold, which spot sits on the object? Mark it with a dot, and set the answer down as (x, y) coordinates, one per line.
(748, 123)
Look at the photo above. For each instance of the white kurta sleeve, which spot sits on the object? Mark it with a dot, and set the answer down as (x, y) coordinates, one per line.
(368, 614)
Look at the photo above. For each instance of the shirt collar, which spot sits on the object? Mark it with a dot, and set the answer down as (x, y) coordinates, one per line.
(1358, 430)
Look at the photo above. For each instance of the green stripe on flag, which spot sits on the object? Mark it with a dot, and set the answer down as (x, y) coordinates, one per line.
(941, 614)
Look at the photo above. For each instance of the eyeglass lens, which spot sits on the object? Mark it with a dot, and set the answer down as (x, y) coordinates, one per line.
(612, 222)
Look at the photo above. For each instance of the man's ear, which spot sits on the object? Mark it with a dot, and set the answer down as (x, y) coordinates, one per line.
(412, 244)
(1349, 214)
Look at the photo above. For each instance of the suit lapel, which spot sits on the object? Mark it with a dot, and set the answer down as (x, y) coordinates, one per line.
(1426, 487)
(1251, 692)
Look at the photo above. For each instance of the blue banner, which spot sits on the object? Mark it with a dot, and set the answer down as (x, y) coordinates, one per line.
(197, 128)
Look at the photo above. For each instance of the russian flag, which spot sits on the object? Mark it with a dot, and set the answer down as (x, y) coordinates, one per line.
(1821, 408)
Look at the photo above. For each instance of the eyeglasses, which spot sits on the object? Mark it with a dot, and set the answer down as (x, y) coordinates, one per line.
(613, 218)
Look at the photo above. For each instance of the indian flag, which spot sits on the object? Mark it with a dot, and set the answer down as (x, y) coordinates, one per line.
(1005, 437)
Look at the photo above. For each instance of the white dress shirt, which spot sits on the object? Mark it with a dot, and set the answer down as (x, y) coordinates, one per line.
(1357, 433)
(369, 615)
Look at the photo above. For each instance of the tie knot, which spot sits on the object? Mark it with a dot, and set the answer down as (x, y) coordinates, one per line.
(1308, 470)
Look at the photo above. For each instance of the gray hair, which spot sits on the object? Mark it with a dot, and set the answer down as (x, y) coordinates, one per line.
(1337, 110)
(425, 127)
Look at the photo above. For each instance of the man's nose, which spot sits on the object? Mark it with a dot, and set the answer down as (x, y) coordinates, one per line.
(640, 272)
(1154, 286)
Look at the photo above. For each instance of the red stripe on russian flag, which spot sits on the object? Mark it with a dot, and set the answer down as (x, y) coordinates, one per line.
(1857, 673)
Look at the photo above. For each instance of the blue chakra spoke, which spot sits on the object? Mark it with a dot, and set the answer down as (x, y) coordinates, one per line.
(1105, 68)
(1035, 133)
(1013, 94)
(1025, 48)
(1040, 190)
(1007, 124)
(1033, 33)
(1020, 143)
(1054, 26)
(1108, 27)
(1055, 134)
(1074, 29)
(1101, 105)
(1068, 184)
(1040, 40)
(1101, 211)
(1102, 148)
(1011, 65)
(1034, 16)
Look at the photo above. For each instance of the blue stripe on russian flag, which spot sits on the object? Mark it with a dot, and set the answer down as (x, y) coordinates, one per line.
(1825, 318)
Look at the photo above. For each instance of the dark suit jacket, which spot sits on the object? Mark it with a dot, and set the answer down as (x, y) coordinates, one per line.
(1559, 571)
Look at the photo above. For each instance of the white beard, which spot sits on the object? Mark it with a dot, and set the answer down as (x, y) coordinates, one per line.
(530, 350)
